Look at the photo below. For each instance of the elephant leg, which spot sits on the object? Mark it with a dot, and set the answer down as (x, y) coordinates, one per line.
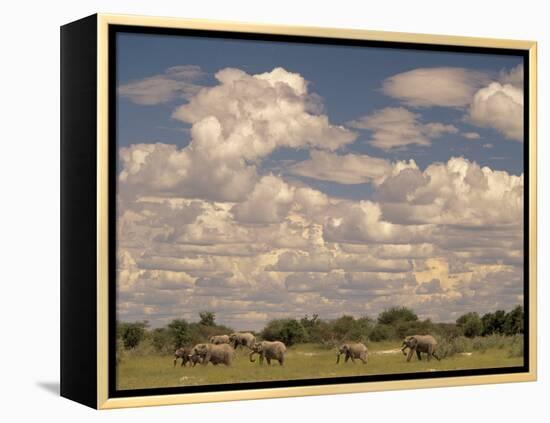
(347, 358)
(261, 359)
(175, 361)
(337, 358)
(409, 356)
(418, 355)
(352, 359)
(268, 361)
(281, 361)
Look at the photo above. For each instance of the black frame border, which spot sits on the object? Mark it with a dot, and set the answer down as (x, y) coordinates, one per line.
(113, 30)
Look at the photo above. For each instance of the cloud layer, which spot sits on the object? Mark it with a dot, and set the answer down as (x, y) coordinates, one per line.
(176, 82)
(397, 127)
(209, 227)
(439, 86)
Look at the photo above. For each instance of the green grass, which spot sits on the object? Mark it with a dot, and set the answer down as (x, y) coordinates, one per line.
(302, 362)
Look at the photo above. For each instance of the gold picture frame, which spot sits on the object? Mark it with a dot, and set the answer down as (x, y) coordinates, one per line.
(96, 35)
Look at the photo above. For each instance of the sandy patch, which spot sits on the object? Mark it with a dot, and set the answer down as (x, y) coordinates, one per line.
(394, 351)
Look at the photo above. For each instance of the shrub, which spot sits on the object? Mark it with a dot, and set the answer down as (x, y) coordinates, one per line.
(289, 331)
(493, 322)
(483, 343)
(162, 341)
(471, 324)
(347, 328)
(207, 318)
(120, 351)
(449, 347)
(397, 314)
(131, 333)
(513, 323)
(179, 333)
(446, 331)
(199, 332)
(382, 332)
(516, 347)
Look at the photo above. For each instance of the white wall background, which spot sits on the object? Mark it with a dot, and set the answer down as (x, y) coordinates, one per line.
(29, 170)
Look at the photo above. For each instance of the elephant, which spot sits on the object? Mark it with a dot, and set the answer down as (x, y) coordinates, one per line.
(242, 338)
(270, 351)
(353, 351)
(420, 344)
(215, 354)
(183, 354)
(219, 339)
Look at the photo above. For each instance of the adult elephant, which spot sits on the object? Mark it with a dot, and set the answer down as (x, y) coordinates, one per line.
(270, 351)
(219, 339)
(353, 351)
(242, 338)
(215, 354)
(420, 344)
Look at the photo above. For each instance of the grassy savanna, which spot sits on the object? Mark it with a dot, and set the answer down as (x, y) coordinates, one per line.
(145, 356)
(303, 361)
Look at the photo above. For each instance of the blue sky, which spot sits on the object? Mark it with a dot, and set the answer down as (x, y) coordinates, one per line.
(347, 78)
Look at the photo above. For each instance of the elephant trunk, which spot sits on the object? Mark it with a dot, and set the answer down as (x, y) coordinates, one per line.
(251, 357)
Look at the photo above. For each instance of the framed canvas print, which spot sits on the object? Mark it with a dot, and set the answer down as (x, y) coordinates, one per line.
(258, 211)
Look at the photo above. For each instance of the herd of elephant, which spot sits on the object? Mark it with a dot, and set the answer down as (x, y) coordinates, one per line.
(221, 350)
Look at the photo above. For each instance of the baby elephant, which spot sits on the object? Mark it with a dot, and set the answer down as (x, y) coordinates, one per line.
(270, 351)
(219, 339)
(183, 354)
(420, 344)
(353, 351)
(215, 354)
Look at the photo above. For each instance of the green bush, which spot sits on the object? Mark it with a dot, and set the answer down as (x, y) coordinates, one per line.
(120, 351)
(382, 332)
(449, 347)
(513, 323)
(199, 332)
(493, 323)
(162, 341)
(483, 343)
(207, 318)
(131, 333)
(179, 332)
(516, 347)
(289, 331)
(397, 314)
(471, 324)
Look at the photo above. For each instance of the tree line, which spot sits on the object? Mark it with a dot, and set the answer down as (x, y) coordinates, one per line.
(392, 324)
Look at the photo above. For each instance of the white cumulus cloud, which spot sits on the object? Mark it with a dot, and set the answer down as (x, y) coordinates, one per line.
(439, 86)
(397, 127)
(500, 107)
(235, 124)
